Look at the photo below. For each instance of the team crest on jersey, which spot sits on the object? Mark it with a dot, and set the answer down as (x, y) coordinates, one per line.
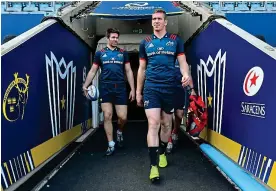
(170, 43)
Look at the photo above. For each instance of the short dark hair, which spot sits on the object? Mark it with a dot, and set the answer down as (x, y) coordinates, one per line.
(161, 11)
(112, 30)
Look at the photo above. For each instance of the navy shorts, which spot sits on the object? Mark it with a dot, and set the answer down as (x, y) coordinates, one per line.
(159, 98)
(113, 93)
(179, 98)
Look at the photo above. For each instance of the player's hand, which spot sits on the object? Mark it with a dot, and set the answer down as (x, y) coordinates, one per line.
(139, 100)
(193, 92)
(132, 95)
(85, 91)
(185, 80)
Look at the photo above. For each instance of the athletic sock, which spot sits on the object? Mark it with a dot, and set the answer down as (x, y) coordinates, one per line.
(153, 152)
(111, 143)
(163, 147)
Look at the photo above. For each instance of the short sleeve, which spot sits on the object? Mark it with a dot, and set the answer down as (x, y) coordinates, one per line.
(142, 51)
(179, 46)
(126, 58)
(97, 58)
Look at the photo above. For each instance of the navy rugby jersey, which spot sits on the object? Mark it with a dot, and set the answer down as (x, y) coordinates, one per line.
(160, 55)
(112, 63)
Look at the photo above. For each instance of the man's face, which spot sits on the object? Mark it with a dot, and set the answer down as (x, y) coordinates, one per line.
(113, 39)
(158, 21)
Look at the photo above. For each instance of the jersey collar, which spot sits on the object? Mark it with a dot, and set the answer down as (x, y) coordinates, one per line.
(165, 36)
(116, 49)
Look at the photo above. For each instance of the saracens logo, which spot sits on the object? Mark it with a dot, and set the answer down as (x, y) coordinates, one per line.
(253, 81)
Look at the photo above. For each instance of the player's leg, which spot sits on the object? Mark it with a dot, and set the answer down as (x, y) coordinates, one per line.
(153, 110)
(167, 97)
(106, 105)
(166, 127)
(108, 127)
(177, 122)
(121, 110)
(179, 99)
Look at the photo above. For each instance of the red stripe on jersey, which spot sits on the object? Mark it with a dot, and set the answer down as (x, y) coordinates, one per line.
(171, 36)
(147, 39)
(174, 37)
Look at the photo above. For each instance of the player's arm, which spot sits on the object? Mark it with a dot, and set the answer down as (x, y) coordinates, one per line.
(191, 84)
(91, 74)
(142, 68)
(141, 72)
(184, 68)
(141, 76)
